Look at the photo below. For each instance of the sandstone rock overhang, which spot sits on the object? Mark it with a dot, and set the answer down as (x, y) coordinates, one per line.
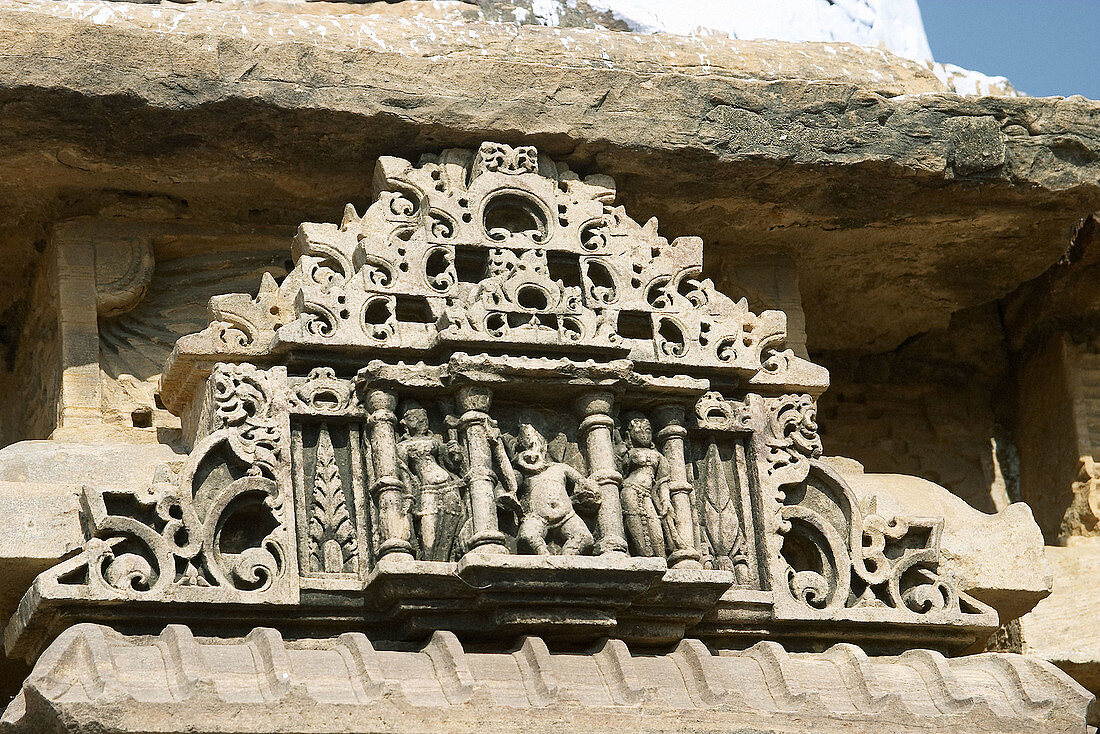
(882, 187)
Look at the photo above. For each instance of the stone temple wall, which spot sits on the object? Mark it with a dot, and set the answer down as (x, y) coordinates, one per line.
(1049, 438)
(917, 429)
(932, 408)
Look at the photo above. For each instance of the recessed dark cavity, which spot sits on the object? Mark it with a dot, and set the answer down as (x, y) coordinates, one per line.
(509, 215)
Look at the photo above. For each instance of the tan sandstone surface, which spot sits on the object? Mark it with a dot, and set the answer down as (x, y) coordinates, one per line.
(818, 151)
(1054, 630)
(927, 258)
(515, 450)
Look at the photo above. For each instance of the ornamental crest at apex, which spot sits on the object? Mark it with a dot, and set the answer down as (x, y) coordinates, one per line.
(500, 248)
(495, 404)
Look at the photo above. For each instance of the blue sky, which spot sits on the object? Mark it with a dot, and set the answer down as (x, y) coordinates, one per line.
(1044, 47)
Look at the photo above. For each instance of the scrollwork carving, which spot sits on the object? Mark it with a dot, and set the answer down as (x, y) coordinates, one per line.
(242, 537)
(774, 361)
(837, 555)
(441, 226)
(319, 321)
(378, 318)
(129, 557)
(243, 411)
(491, 245)
(897, 565)
(216, 523)
(817, 564)
(401, 203)
(439, 269)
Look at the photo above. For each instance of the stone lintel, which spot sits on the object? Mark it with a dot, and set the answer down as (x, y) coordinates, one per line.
(95, 678)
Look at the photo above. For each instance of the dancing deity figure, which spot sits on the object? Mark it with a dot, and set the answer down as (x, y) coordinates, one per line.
(550, 514)
(432, 472)
(647, 507)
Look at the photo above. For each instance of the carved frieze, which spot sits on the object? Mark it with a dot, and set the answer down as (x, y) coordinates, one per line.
(495, 402)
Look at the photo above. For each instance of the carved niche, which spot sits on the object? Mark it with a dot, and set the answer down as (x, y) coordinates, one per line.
(494, 402)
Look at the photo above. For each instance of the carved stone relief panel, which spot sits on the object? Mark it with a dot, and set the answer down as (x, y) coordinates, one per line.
(213, 528)
(834, 557)
(328, 464)
(839, 556)
(526, 256)
(440, 472)
(723, 498)
(494, 403)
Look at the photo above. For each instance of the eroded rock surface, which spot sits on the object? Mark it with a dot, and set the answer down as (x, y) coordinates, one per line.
(816, 151)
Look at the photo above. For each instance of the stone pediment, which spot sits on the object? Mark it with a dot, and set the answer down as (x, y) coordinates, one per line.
(495, 249)
(494, 404)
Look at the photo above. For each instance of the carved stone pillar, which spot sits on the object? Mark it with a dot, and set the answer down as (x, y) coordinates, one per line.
(387, 490)
(474, 403)
(670, 438)
(595, 430)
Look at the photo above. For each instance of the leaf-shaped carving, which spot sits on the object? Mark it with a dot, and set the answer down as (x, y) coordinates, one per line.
(720, 516)
(331, 532)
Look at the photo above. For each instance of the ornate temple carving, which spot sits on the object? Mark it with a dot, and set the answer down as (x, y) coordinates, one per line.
(493, 401)
(332, 546)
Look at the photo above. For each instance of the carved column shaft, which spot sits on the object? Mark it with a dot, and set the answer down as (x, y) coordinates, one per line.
(596, 427)
(387, 489)
(671, 440)
(474, 403)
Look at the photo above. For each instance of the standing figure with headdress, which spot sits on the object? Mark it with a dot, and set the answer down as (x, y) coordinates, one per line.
(647, 506)
(432, 472)
(549, 513)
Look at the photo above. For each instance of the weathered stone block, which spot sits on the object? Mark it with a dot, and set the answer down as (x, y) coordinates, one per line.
(979, 144)
(1061, 628)
(95, 679)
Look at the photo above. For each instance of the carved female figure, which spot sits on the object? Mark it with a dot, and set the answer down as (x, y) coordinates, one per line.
(430, 470)
(549, 510)
(647, 507)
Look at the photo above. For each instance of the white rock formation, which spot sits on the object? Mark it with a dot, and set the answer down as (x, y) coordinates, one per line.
(894, 25)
